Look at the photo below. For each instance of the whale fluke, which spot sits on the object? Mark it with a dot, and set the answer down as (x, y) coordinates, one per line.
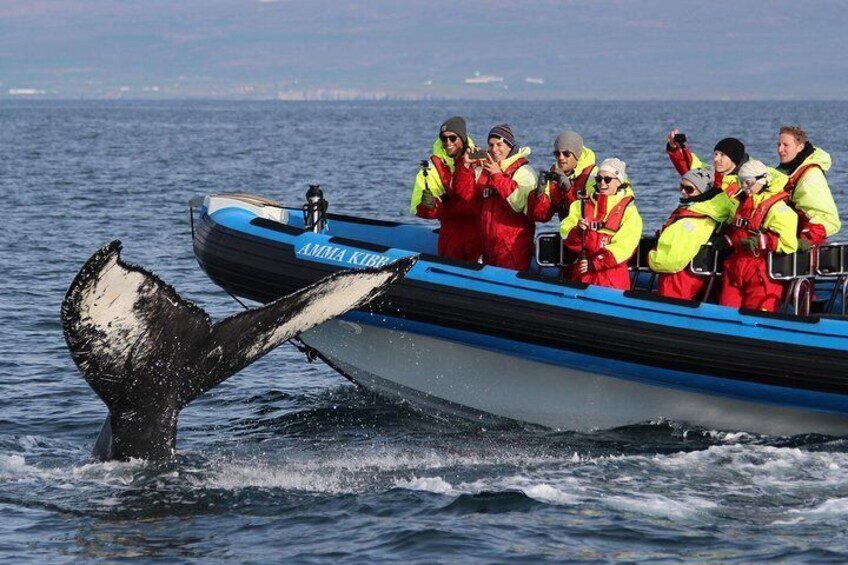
(147, 352)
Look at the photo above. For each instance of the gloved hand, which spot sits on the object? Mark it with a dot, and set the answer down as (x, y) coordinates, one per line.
(750, 243)
(427, 198)
(563, 180)
(541, 184)
(804, 244)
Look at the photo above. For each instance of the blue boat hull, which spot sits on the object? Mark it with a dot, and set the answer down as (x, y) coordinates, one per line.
(568, 346)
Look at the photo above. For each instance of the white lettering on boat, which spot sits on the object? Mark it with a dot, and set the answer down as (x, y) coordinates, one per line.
(339, 255)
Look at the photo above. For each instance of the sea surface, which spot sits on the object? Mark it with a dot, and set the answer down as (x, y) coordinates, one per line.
(288, 462)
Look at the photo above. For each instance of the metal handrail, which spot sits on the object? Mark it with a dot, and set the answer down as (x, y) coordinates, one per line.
(825, 266)
(549, 237)
(789, 266)
(799, 270)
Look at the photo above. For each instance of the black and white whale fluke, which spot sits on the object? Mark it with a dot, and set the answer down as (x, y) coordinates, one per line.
(148, 353)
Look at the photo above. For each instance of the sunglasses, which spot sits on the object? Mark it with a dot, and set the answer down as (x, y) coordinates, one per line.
(448, 138)
(599, 179)
(688, 189)
(753, 181)
(565, 154)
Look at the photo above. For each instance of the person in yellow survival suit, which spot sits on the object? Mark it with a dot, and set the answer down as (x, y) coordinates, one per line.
(728, 155)
(762, 222)
(809, 193)
(433, 198)
(604, 229)
(565, 182)
(703, 208)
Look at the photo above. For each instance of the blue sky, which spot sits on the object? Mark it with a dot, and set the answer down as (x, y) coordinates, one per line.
(607, 49)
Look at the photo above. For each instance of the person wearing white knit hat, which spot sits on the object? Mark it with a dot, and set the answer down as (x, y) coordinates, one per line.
(603, 231)
(762, 223)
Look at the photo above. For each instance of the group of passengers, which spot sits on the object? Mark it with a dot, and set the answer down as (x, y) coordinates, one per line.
(488, 202)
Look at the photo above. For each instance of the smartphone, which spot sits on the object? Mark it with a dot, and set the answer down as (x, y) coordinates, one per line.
(478, 154)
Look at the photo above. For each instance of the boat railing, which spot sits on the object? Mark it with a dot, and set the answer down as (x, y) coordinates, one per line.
(800, 271)
(550, 252)
(831, 263)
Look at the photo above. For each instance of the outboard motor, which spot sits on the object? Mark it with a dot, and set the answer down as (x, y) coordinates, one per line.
(315, 209)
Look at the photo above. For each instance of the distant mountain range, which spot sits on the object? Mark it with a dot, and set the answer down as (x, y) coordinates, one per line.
(322, 49)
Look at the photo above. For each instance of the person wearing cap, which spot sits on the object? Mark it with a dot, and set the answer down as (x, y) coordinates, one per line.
(809, 193)
(459, 236)
(762, 222)
(574, 165)
(499, 194)
(702, 208)
(728, 155)
(604, 229)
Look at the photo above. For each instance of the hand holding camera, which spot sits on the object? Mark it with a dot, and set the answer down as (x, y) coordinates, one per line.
(427, 198)
(541, 182)
(676, 140)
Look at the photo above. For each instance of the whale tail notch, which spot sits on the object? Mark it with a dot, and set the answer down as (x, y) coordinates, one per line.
(147, 352)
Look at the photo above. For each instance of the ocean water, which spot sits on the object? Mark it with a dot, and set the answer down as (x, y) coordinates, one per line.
(287, 461)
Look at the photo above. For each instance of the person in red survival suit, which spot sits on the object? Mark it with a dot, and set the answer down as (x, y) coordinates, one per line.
(500, 195)
(603, 230)
(566, 180)
(762, 222)
(432, 198)
(728, 155)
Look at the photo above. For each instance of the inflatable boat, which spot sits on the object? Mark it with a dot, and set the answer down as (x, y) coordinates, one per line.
(480, 340)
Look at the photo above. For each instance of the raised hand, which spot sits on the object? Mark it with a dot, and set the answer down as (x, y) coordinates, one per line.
(491, 166)
(427, 198)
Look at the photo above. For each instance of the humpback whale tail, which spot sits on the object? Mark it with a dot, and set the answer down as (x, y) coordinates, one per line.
(148, 353)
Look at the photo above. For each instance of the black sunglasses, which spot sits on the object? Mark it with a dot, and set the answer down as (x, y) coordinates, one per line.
(447, 138)
(565, 154)
(599, 179)
(688, 189)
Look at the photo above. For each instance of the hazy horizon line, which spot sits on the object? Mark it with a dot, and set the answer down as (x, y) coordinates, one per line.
(42, 98)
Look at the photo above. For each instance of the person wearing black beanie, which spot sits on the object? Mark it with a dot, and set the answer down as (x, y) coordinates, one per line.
(455, 125)
(728, 155)
(734, 150)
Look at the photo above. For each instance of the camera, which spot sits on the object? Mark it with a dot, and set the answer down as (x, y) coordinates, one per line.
(548, 176)
(680, 138)
(478, 154)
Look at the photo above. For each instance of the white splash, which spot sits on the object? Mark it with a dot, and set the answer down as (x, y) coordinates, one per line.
(435, 485)
(660, 506)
